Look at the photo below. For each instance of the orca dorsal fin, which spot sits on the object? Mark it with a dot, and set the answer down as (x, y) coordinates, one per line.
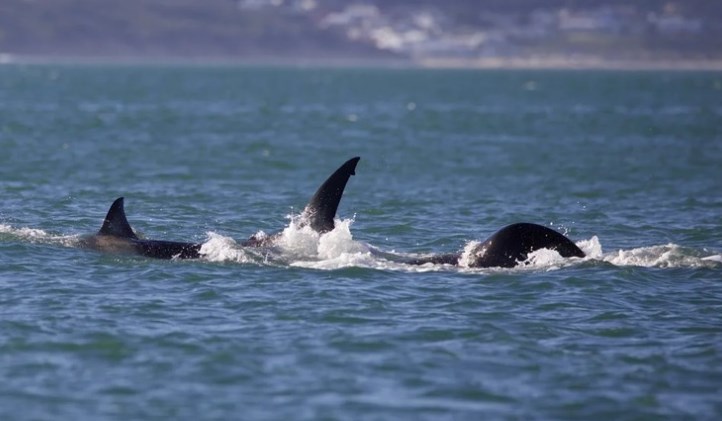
(321, 209)
(115, 223)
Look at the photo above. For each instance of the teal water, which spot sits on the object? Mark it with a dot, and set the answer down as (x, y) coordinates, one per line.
(627, 164)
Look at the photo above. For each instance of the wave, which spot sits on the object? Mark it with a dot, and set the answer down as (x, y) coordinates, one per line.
(299, 246)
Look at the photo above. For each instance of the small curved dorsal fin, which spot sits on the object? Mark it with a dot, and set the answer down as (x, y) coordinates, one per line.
(322, 207)
(115, 223)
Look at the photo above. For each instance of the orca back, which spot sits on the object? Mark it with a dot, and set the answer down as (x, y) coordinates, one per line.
(160, 249)
(513, 243)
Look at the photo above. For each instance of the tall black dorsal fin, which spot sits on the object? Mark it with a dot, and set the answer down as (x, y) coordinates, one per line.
(115, 223)
(321, 209)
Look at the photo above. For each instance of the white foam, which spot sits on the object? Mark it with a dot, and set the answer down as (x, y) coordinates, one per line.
(223, 249)
(340, 261)
(369, 261)
(592, 248)
(24, 233)
(35, 235)
(339, 242)
(304, 247)
(468, 255)
(336, 249)
(714, 258)
(298, 240)
(662, 256)
(297, 245)
(545, 259)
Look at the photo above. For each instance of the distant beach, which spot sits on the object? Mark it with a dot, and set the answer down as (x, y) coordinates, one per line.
(546, 62)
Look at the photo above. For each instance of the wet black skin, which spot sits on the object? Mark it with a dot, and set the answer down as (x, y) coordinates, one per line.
(117, 236)
(509, 246)
(506, 248)
(320, 211)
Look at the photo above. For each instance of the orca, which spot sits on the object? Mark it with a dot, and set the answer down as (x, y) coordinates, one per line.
(117, 236)
(509, 247)
(320, 211)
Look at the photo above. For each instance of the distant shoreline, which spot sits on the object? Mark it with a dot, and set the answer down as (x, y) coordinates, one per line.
(21, 59)
(570, 63)
(487, 63)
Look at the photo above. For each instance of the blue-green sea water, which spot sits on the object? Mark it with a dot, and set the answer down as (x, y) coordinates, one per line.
(626, 164)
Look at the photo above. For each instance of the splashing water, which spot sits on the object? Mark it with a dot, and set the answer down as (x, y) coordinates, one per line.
(300, 246)
(335, 249)
(467, 256)
(663, 256)
(224, 249)
(38, 236)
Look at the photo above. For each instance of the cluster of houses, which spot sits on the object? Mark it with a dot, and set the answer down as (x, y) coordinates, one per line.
(422, 32)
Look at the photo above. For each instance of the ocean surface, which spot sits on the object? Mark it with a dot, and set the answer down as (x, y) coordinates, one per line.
(626, 164)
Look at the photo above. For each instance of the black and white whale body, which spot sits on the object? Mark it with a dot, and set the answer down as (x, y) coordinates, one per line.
(117, 236)
(508, 247)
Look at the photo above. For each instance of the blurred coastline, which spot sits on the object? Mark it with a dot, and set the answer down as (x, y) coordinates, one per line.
(566, 34)
(519, 63)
